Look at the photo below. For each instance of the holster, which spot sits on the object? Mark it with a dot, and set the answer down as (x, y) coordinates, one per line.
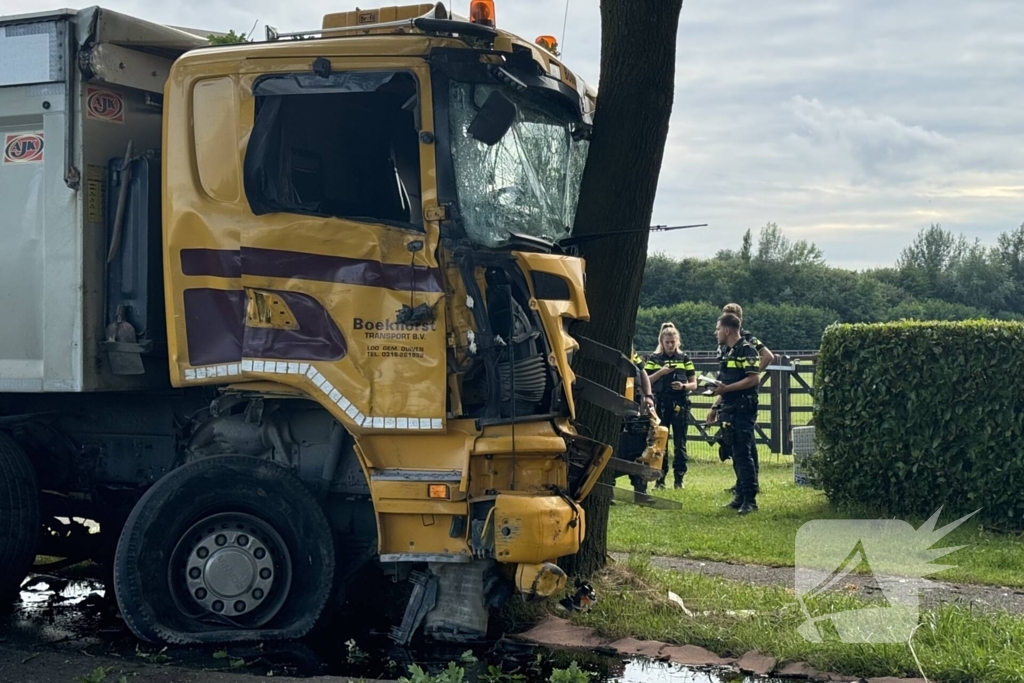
(724, 438)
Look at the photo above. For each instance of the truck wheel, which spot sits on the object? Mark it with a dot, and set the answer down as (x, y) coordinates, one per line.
(224, 549)
(19, 518)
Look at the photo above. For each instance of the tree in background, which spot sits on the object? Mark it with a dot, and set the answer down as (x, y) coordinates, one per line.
(230, 38)
(638, 53)
(774, 248)
(1010, 252)
(790, 294)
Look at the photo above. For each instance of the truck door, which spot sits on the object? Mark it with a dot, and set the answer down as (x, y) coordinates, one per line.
(338, 269)
(338, 287)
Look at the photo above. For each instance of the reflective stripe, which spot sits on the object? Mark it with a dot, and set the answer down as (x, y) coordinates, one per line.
(674, 364)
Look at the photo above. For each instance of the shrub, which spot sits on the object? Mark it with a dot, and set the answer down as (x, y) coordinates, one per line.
(780, 326)
(912, 415)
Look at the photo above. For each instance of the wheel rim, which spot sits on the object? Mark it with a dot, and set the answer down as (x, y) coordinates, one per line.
(231, 567)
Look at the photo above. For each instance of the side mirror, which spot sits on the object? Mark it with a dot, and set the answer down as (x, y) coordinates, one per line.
(494, 119)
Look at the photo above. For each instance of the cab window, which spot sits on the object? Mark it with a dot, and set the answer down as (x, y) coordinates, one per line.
(345, 145)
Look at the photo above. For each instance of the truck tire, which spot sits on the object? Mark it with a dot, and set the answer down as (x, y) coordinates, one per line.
(224, 549)
(19, 518)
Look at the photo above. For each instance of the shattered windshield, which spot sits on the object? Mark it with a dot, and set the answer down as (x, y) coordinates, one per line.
(528, 183)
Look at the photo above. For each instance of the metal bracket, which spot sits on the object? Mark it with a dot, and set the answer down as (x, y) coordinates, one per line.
(436, 213)
(126, 357)
(605, 354)
(615, 403)
(635, 468)
(422, 600)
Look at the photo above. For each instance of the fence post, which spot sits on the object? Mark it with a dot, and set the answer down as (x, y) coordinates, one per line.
(777, 407)
(786, 425)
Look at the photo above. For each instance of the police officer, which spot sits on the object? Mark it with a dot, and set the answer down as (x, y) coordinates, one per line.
(672, 377)
(631, 444)
(763, 351)
(736, 407)
(766, 357)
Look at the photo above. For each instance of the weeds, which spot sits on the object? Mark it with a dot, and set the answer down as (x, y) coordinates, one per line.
(355, 654)
(573, 674)
(452, 674)
(97, 675)
(496, 674)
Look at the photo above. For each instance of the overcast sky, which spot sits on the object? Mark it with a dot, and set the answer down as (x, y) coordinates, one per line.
(851, 123)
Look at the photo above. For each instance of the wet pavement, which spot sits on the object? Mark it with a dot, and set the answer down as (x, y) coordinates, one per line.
(66, 629)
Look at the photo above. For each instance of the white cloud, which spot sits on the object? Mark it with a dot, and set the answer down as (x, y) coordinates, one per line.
(880, 144)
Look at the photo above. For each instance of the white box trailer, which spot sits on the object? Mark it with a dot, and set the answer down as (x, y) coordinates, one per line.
(75, 88)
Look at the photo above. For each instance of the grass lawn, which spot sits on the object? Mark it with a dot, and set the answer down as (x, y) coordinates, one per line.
(705, 530)
(953, 643)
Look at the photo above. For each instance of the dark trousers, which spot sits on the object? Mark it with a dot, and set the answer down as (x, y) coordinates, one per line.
(741, 419)
(631, 447)
(678, 422)
(757, 464)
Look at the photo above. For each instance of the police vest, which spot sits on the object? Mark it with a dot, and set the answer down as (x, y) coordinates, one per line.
(735, 364)
(750, 339)
(683, 371)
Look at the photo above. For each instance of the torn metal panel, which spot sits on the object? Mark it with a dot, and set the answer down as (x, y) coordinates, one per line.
(128, 68)
(97, 25)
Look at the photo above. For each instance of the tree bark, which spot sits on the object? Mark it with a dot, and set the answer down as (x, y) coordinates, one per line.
(634, 104)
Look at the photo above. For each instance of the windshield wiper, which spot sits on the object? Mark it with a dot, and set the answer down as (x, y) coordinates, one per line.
(580, 239)
(518, 239)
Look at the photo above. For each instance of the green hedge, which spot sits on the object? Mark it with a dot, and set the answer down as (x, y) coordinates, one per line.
(780, 326)
(910, 416)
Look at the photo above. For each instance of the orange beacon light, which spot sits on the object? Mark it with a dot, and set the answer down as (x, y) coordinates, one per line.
(482, 12)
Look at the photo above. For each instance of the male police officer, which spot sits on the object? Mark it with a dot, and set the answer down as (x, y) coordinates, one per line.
(736, 406)
(766, 359)
(763, 351)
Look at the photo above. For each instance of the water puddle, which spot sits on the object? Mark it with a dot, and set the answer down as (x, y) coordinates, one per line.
(75, 613)
(42, 593)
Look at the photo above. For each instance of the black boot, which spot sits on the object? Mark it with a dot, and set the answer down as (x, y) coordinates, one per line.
(735, 504)
(679, 481)
(748, 506)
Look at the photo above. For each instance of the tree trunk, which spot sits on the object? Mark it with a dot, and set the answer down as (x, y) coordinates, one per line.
(638, 49)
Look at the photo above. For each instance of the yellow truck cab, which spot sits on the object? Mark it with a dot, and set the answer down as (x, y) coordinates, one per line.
(291, 307)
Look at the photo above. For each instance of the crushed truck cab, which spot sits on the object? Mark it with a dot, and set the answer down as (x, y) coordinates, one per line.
(320, 309)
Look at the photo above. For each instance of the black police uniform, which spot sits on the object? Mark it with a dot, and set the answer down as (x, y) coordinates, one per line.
(633, 437)
(673, 406)
(758, 346)
(738, 409)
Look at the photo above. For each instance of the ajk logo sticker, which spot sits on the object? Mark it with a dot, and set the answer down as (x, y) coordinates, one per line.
(23, 148)
(104, 105)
